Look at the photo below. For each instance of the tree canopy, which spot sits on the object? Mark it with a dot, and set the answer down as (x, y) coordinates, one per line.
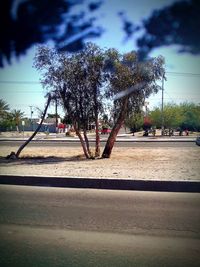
(75, 81)
(130, 83)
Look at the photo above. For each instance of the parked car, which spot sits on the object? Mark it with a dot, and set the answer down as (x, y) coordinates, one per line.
(198, 141)
(105, 131)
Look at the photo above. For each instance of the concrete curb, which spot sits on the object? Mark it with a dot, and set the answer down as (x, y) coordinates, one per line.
(94, 183)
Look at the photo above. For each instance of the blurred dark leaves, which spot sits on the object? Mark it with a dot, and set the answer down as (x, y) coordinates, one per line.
(24, 23)
(178, 24)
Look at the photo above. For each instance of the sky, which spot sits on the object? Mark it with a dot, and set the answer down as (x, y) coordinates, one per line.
(20, 83)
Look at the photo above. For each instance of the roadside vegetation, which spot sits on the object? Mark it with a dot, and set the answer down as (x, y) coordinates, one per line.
(9, 119)
(183, 116)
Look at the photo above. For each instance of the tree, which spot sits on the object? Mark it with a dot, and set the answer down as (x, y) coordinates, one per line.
(36, 131)
(6, 120)
(171, 116)
(130, 83)
(17, 116)
(190, 114)
(14, 155)
(75, 81)
(184, 116)
(4, 108)
(135, 121)
(93, 58)
(52, 115)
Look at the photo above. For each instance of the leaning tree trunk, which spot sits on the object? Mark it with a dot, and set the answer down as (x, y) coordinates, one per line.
(112, 137)
(82, 141)
(36, 131)
(97, 146)
(87, 142)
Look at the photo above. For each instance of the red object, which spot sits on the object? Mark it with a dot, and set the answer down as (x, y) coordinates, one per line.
(61, 126)
(105, 131)
(147, 121)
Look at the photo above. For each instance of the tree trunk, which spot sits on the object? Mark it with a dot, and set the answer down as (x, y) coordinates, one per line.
(87, 142)
(112, 137)
(97, 147)
(36, 131)
(82, 141)
(96, 111)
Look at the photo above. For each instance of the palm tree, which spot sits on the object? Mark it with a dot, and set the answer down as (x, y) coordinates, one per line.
(4, 108)
(17, 115)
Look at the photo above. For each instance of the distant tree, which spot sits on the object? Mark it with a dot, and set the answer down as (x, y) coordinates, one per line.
(53, 115)
(171, 116)
(135, 121)
(17, 116)
(4, 108)
(190, 114)
(184, 116)
(25, 23)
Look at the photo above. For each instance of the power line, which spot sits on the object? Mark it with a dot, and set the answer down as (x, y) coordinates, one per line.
(183, 74)
(38, 82)
(20, 82)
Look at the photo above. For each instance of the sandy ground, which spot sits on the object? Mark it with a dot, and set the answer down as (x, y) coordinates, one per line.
(130, 163)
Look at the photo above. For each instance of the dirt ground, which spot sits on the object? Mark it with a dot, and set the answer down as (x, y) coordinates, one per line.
(130, 163)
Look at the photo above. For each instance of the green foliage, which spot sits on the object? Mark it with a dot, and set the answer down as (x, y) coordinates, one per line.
(7, 125)
(184, 116)
(75, 80)
(9, 120)
(16, 116)
(134, 121)
(133, 80)
(4, 108)
(53, 115)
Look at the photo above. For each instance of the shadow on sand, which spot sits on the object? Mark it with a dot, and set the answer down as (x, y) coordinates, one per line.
(38, 160)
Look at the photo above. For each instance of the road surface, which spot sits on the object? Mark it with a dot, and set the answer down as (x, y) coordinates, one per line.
(80, 227)
(52, 143)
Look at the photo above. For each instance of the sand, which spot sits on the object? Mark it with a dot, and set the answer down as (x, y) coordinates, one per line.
(182, 163)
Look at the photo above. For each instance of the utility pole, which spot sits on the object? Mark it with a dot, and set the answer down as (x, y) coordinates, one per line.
(31, 117)
(162, 108)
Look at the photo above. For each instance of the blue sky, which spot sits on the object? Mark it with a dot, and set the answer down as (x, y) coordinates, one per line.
(178, 87)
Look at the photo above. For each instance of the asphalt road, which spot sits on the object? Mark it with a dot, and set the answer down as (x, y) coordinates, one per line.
(51, 143)
(79, 227)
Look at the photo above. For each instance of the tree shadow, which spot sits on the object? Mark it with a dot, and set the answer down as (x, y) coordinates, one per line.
(39, 160)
